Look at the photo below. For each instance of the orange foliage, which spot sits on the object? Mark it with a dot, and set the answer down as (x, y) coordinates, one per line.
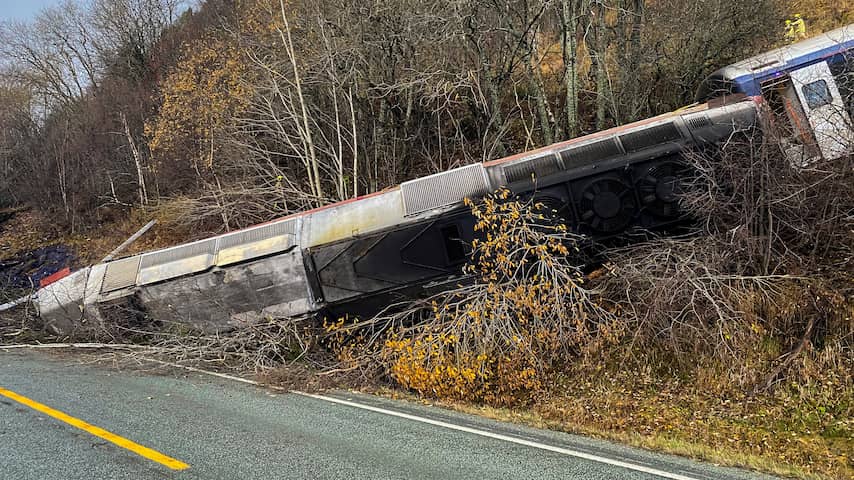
(498, 339)
(422, 366)
(199, 99)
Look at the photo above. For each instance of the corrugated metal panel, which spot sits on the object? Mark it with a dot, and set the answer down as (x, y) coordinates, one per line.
(443, 189)
(537, 167)
(698, 121)
(195, 249)
(120, 274)
(650, 136)
(257, 234)
(257, 242)
(719, 123)
(581, 155)
(177, 261)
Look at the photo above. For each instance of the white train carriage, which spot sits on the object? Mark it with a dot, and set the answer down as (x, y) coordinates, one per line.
(359, 255)
(365, 252)
(808, 87)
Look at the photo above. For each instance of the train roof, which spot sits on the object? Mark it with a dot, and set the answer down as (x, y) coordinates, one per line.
(792, 56)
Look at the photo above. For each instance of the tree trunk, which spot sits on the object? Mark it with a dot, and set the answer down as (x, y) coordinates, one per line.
(339, 152)
(140, 177)
(485, 75)
(569, 27)
(535, 79)
(630, 52)
(600, 51)
(307, 138)
(355, 145)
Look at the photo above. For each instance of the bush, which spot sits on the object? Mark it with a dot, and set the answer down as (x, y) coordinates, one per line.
(767, 279)
(754, 297)
(524, 310)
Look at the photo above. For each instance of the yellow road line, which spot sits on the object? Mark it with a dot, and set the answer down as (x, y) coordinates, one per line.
(98, 432)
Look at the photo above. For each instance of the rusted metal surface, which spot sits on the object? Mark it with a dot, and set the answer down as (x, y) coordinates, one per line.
(351, 219)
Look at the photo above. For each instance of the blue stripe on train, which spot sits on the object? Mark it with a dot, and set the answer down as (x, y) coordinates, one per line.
(752, 84)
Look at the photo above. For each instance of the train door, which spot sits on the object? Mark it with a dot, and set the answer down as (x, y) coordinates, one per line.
(825, 110)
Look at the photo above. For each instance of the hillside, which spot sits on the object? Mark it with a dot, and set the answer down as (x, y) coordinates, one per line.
(732, 341)
(197, 109)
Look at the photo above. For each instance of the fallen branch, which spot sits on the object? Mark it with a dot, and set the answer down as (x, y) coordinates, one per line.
(790, 356)
(115, 346)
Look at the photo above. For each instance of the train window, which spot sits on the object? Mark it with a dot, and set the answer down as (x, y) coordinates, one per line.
(454, 246)
(817, 94)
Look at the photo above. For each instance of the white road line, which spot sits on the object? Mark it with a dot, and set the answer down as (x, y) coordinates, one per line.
(451, 426)
(506, 438)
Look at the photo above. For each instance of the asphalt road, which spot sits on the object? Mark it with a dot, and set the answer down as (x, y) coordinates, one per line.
(229, 430)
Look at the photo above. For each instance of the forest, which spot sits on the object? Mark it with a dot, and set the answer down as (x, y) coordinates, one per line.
(229, 113)
(732, 342)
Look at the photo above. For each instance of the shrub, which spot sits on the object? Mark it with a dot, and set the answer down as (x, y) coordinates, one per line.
(524, 310)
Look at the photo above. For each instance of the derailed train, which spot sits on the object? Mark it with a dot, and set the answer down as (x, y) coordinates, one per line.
(358, 255)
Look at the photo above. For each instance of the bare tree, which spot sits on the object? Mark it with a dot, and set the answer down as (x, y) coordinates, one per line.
(127, 30)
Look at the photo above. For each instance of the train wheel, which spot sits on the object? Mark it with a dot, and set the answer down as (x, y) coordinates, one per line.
(659, 187)
(607, 204)
(553, 208)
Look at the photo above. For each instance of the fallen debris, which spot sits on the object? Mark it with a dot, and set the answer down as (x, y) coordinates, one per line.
(27, 270)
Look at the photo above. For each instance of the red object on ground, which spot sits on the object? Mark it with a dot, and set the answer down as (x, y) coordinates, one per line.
(56, 276)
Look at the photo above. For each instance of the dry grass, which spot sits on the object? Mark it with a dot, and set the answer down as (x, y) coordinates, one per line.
(26, 230)
(802, 427)
(92, 245)
(783, 434)
(30, 229)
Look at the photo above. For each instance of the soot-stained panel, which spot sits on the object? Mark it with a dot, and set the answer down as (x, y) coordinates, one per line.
(403, 257)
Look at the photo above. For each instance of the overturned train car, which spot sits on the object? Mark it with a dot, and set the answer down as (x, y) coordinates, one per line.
(361, 254)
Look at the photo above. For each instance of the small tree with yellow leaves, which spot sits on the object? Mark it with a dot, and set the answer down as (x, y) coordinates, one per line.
(199, 101)
(525, 311)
